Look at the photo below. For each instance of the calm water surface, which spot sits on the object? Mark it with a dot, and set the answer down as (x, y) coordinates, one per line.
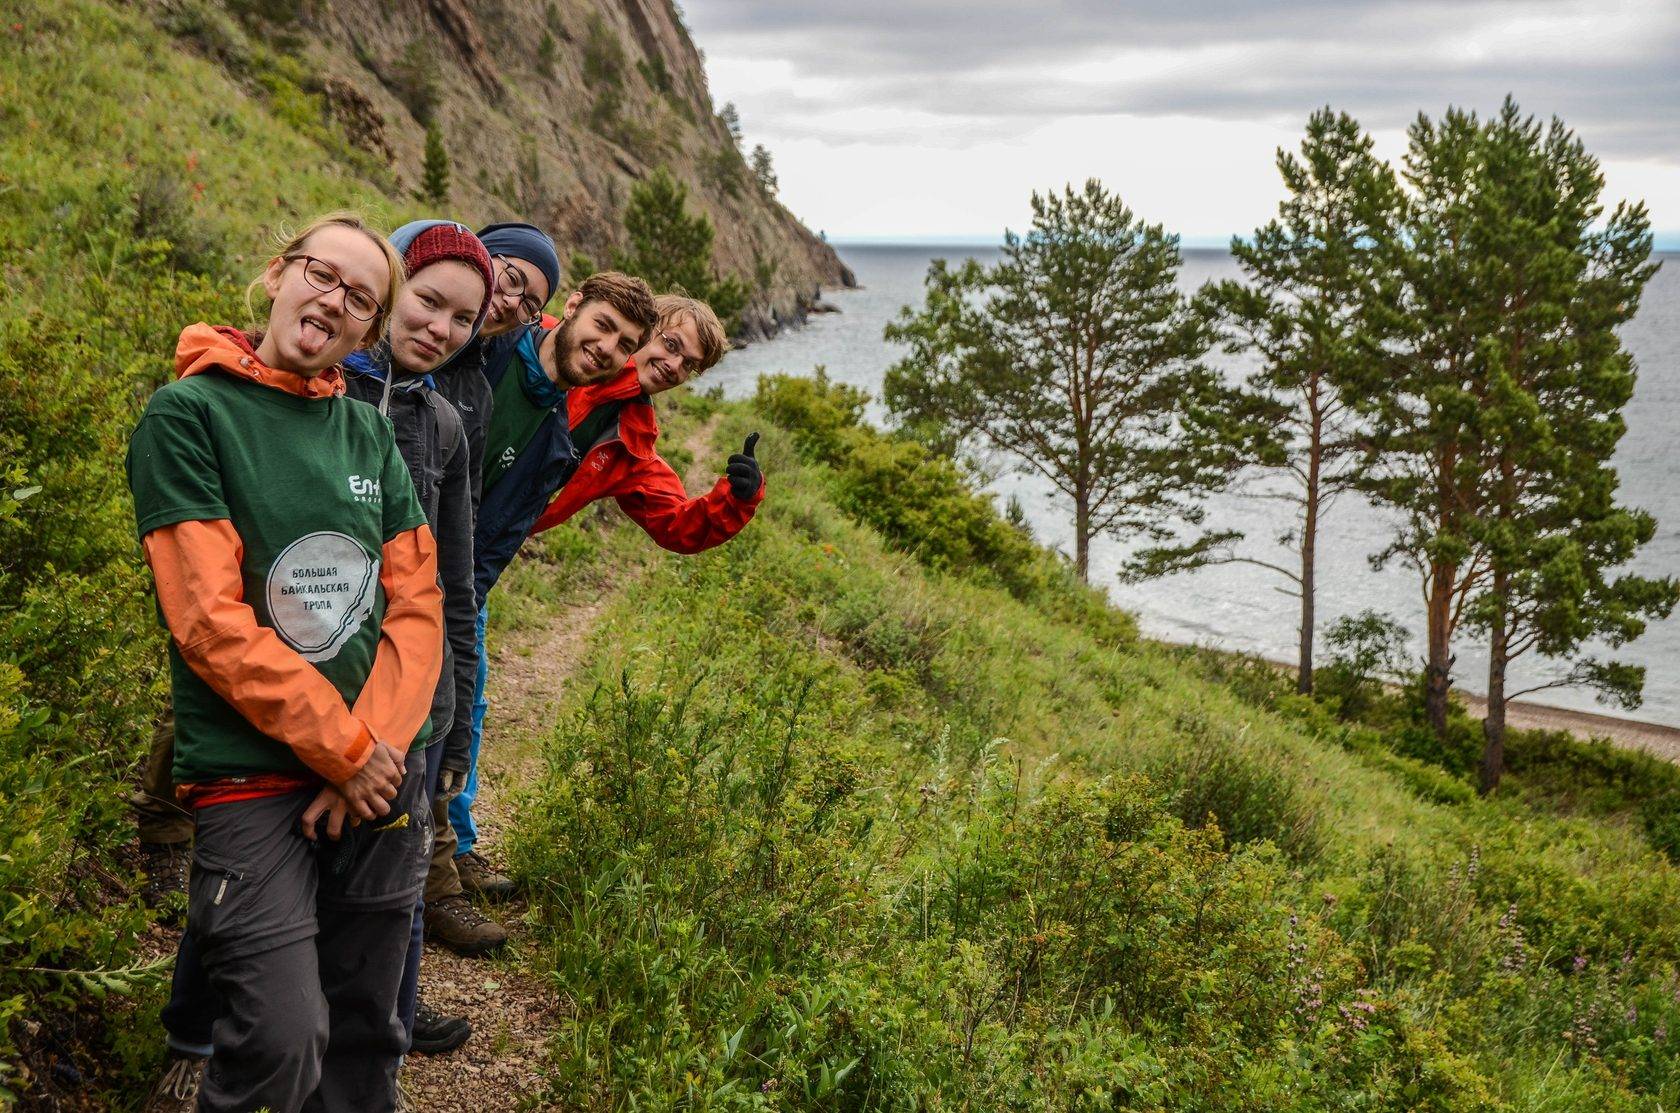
(1241, 607)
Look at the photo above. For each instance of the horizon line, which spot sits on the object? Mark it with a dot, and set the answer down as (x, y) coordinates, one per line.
(1666, 241)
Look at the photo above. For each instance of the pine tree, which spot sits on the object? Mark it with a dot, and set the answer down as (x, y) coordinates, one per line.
(1496, 404)
(672, 248)
(1422, 402)
(1078, 356)
(1302, 311)
(1555, 380)
(434, 170)
(731, 119)
(763, 171)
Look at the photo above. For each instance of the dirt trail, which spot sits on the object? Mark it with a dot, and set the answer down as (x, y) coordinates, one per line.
(511, 1006)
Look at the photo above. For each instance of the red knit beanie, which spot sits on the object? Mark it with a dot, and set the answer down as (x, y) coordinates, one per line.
(451, 241)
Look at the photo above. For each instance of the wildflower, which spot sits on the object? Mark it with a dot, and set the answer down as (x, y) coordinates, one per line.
(1580, 963)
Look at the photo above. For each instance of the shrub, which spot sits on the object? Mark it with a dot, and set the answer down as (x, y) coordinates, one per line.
(1225, 781)
(1365, 651)
(415, 81)
(79, 652)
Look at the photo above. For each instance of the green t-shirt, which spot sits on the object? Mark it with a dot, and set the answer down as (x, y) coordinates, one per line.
(315, 488)
(514, 420)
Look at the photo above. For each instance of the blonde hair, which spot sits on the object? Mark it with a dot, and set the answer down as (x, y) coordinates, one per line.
(673, 308)
(290, 244)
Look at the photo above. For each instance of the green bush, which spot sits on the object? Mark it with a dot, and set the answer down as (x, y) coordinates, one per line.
(1226, 782)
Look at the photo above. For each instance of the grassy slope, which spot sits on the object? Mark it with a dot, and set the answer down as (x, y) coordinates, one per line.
(935, 705)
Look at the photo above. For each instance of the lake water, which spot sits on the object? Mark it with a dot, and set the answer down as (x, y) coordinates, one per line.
(1238, 606)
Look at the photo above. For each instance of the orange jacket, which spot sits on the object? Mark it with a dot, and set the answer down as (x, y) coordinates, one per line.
(200, 591)
(628, 468)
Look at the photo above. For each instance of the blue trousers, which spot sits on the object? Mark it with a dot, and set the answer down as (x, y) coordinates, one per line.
(460, 808)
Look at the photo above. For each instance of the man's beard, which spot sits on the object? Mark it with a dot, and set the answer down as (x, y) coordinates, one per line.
(566, 357)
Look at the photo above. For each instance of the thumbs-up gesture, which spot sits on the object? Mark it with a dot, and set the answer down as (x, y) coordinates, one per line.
(744, 477)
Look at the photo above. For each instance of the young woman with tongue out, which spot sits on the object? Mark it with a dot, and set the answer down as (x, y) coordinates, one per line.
(297, 578)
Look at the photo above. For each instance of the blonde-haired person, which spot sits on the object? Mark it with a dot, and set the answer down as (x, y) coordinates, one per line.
(297, 578)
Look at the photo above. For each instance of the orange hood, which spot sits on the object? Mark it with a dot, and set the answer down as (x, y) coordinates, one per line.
(222, 348)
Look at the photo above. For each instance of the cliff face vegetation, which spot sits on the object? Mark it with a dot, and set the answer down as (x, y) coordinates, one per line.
(550, 112)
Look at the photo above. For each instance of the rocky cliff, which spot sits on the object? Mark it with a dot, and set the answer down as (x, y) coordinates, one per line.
(550, 112)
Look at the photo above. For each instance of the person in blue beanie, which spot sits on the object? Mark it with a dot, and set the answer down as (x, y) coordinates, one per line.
(527, 456)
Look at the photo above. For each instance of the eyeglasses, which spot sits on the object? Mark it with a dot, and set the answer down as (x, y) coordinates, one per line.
(510, 283)
(325, 277)
(674, 350)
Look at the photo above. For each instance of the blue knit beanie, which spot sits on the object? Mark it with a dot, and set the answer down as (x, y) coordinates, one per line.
(527, 242)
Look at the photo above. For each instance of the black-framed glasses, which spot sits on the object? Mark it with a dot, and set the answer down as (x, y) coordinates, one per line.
(673, 348)
(325, 277)
(510, 283)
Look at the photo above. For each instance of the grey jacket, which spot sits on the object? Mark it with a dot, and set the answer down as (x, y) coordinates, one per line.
(433, 443)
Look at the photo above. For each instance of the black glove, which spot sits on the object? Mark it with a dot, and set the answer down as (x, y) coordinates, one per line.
(744, 477)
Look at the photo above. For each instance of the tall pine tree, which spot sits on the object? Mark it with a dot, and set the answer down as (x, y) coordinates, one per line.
(1496, 403)
(1078, 357)
(1556, 379)
(434, 170)
(1422, 401)
(672, 248)
(1302, 309)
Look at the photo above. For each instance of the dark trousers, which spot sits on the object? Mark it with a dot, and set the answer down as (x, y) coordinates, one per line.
(193, 1004)
(408, 996)
(295, 953)
(156, 813)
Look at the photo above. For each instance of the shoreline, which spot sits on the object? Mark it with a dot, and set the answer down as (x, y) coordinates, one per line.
(1656, 739)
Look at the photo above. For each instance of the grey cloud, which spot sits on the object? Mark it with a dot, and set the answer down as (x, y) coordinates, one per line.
(991, 68)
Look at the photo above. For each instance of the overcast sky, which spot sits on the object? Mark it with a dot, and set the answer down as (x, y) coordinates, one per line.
(930, 119)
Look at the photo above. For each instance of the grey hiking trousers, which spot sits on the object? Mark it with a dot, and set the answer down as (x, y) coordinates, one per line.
(305, 946)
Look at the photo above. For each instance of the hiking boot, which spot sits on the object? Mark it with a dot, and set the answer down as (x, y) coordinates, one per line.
(479, 876)
(454, 922)
(435, 1034)
(177, 1090)
(166, 865)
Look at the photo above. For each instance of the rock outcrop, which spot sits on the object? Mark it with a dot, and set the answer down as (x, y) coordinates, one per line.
(551, 112)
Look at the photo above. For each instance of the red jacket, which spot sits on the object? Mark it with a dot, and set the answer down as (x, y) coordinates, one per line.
(627, 468)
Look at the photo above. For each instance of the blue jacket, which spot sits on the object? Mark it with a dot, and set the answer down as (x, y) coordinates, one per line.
(511, 507)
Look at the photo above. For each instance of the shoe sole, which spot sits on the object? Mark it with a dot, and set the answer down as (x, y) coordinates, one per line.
(442, 1045)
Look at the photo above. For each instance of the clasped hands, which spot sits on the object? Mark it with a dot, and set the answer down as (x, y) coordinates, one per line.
(366, 795)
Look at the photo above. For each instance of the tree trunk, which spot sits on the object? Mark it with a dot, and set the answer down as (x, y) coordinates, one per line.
(1438, 668)
(1493, 727)
(1309, 545)
(1082, 536)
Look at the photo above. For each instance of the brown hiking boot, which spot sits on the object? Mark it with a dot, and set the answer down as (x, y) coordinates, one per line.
(454, 922)
(166, 865)
(479, 876)
(177, 1090)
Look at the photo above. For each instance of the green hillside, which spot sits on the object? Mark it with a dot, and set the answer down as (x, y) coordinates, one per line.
(820, 826)
(874, 807)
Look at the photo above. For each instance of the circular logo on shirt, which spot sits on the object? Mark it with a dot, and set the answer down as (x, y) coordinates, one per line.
(320, 591)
